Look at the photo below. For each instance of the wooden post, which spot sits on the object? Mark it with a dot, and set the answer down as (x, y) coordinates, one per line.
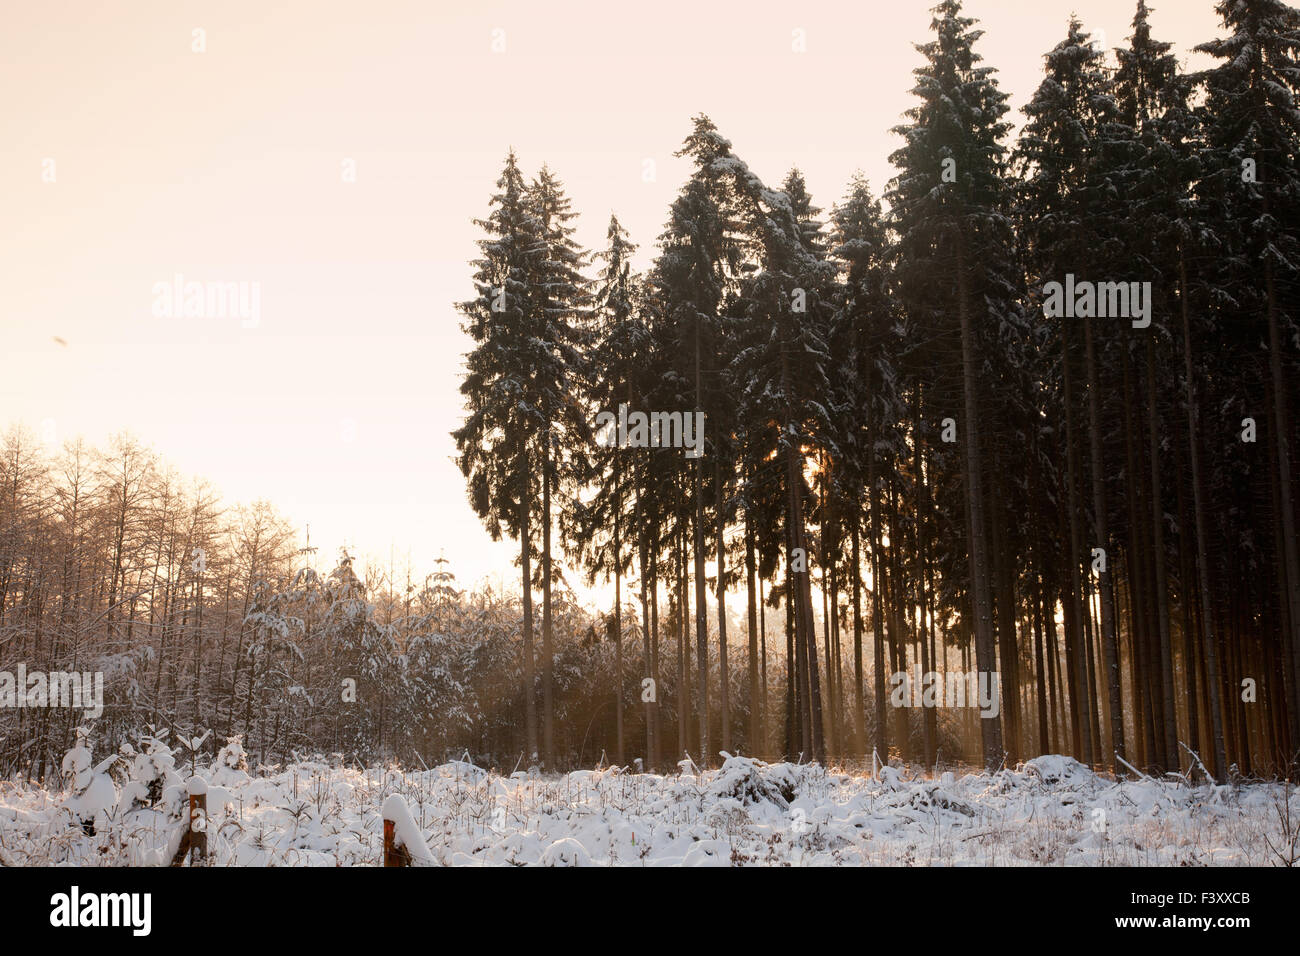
(394, 855)
(199, 826)
(195, 838)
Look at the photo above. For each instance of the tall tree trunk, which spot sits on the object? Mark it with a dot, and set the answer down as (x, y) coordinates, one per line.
(683, 649)
(1282, 450)
(793, 671)
(651, 692)
(1143, 626)
(701, 611)
(618, 626)
(548, 655)
(877, 617)
(1076, 670)
(1186, 600)
(1291, 693)
(826, 560)
(701, 624)
(859, 704)
(762, 669)
(1037, 578)
(895, 589)
(525, 561)
(656, 721)
(927, 725)
(1008, 656)
(1211, 654)
(755, 706)
(1104, 579)
(724, 699)
(805, 630)
(990, 729)
(1093, 678)
(1161, 575)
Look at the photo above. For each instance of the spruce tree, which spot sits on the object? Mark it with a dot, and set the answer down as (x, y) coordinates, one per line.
(865, 343)
(698, 262)
(956, 256)
(505, 422)
(604, 524)
(1251, 191)
(1160, 169)
(1067, 152)
(781, 366)
(558, 300)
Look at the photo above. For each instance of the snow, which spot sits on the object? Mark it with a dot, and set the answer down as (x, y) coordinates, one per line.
(565, 852)
(406, 832)
(1054, 768)
(91, 792)
(97, 798)
(1048, 811)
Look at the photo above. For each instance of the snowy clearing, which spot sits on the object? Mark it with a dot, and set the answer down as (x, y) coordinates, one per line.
(1050, 811)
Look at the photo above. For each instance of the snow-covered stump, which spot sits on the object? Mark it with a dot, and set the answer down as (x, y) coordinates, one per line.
(394, 855)
(403, 842)
(194, 842)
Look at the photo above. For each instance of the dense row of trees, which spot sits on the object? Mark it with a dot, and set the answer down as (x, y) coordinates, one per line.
(206, 617)
(909, 464)
(902, 429)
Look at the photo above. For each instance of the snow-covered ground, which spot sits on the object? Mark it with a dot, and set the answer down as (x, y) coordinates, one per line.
(1051, 811)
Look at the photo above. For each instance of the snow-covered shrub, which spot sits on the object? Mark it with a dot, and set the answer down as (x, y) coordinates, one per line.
(1056, 770)
(313, 815)
(751, 781)
(230, 769)
(91, 793)
(152, 773)
(565, 852)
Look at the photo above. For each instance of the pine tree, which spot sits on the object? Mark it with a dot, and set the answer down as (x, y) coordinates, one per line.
(603, 527)
(956, 256)
(558, 298)
(699, 259)
(864, 336)
(1251, 191)
(1160, 169)
(506, 423)
(1067, 153)
(782, 364)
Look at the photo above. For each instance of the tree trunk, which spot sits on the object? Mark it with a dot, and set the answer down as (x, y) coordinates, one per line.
(525, 561)
(548, 655)
(724, 699)
(1282, 449)
(1100, 519)
(1161, 575)
(1076, 670)
(1208, 639)
(701, 624)
(618, 633)
(755, 712)
(990, 729)
(859, 704)
(877, 618)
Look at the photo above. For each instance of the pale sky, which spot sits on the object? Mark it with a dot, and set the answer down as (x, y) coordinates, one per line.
(226, 165)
